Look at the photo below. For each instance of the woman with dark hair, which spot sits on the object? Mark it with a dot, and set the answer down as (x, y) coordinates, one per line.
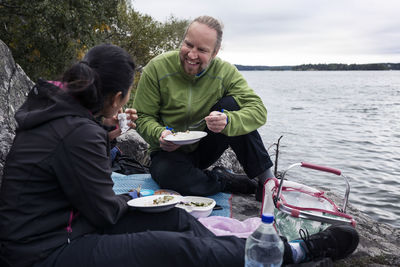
(57, 205)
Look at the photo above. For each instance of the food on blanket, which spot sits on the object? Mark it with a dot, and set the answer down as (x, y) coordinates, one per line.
(162, 200)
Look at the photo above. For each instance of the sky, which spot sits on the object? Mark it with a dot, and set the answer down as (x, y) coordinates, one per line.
(294, 32)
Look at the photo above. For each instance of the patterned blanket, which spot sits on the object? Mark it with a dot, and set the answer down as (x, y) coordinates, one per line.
(123, 183)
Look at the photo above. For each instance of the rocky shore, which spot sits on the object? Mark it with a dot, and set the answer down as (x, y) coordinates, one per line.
(378, 241)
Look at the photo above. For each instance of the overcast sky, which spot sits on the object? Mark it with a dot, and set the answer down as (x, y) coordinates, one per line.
(293, 32)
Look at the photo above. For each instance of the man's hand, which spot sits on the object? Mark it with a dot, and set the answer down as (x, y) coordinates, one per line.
(113, 121)
(216, 121)
(132, 116)
(167, 145)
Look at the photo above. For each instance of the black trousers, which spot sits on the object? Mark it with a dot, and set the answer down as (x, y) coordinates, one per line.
(184, 172)
(172, 238)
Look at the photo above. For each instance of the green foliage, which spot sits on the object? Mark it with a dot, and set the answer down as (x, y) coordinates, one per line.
(145, 38)
(46, 36)
(172, 32)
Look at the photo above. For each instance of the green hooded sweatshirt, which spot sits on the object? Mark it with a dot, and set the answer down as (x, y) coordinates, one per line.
(167, 96)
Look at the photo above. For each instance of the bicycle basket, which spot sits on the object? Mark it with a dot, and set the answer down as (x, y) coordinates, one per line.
(297, 206)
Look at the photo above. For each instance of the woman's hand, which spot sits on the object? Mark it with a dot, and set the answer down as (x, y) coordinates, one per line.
(113, 121)
(167, 145)
(114, 133)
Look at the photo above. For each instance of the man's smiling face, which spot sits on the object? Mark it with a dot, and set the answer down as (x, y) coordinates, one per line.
(198, 48)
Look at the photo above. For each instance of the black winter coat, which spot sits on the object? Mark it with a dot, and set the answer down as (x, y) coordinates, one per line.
(57, 182)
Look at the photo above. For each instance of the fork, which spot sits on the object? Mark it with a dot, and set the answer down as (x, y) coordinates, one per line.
(200, 122)
(137, 189)
(197, 124)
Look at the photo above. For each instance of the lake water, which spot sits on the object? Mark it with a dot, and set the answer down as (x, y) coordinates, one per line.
(345, 120)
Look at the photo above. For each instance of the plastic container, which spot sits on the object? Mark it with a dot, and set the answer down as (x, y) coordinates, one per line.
(193, 205)
(264, 247)
(146, 192)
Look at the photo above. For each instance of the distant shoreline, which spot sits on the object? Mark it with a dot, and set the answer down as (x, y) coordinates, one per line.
(323, 67)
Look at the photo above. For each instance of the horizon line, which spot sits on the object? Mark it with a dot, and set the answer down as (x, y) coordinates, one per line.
(315, 64)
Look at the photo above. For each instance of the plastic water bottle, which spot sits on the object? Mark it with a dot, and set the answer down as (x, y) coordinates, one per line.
(264, 246)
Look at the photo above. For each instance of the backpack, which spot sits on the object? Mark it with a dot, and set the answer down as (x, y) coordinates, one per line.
(128, 165)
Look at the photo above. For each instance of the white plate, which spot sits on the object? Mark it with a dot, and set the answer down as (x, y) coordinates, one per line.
(197, 211)
(146, 204)
(185, 138)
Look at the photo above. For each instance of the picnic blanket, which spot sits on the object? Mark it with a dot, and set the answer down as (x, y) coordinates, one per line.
(229, 226)
(123, 183)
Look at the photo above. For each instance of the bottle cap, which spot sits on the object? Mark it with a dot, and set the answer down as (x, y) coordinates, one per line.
(267, 218)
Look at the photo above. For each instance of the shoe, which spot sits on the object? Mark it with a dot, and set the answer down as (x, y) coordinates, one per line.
(336, 242)
(234, 183)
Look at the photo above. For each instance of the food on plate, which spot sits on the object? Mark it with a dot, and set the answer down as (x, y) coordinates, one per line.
(197, 204)
(199, 207)
(185, 138)
(182, 135)
(162, 200)
(185, 132)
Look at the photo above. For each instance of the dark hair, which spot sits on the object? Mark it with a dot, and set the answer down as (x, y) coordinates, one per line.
(104, 71)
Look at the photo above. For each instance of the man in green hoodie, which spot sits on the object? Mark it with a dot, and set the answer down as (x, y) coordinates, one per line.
(180, 88)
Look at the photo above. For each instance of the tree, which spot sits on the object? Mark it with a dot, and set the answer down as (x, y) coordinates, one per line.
(145, 38)
(172, 31)
(46, 35)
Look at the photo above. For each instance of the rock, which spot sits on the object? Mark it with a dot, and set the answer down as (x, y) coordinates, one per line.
(378, 245)
(132, 144)
(14, 85)
(378, 241)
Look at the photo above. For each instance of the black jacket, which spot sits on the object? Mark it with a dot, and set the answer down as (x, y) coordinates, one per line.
(57, 182)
